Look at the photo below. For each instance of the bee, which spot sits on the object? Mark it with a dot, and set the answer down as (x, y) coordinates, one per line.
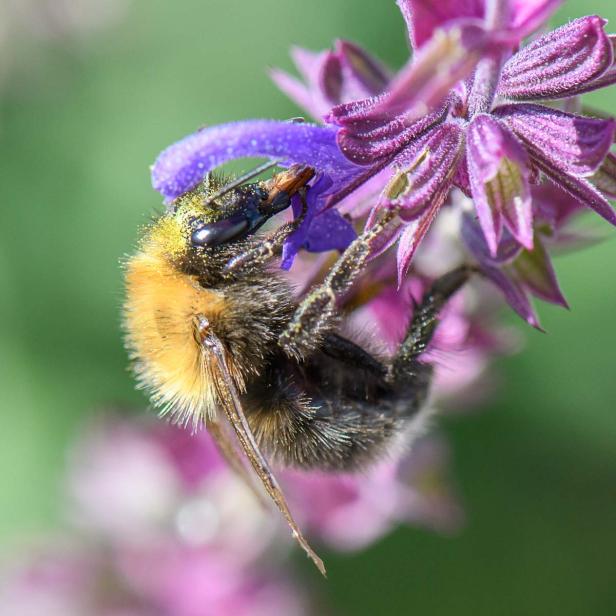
(217, 337)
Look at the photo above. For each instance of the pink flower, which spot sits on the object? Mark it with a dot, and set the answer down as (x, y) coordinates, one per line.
(150, 483)
(350, 512)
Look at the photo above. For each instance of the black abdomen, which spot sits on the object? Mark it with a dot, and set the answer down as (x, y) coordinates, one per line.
(328, 414)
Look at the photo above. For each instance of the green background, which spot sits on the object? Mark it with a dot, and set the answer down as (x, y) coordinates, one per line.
(79, 124)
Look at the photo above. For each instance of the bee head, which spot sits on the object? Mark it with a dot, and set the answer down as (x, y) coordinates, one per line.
(218, 211)
(208, 220)
(212, 220)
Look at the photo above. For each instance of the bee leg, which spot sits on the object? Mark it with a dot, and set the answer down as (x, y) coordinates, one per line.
(233, 409)
(227, 450)
(315, 317)
(270, 247)
(425, 320)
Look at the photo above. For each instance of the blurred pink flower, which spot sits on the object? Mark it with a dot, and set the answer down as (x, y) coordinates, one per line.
(59, 580)
(186, 581)
(98, 581)
(150, 483)
(351, 511)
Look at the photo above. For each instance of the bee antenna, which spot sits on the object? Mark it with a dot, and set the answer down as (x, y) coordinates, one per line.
(240, 180)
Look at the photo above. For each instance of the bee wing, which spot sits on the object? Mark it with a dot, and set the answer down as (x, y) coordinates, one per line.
(229, 452)
(235, 414)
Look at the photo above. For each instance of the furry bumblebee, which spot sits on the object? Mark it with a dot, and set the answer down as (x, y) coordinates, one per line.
(214, 333)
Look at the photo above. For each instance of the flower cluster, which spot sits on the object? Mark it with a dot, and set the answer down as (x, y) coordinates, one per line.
(476, 121)
(159, 524)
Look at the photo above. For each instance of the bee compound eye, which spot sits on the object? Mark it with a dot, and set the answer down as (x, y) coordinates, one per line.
(217, 233)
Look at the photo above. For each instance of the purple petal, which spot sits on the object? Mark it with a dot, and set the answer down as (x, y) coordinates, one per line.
(319, 231)
(330, 78)
(425, 175)
(298, 93)
(475, 240)
(528, 15)
(184, 164)
(365, 147)
(605, 177)
(606, 79)
(422, 17)
(579, 188)
(575, 144)
(554, 206)
(419, 87)
(369, 75)
(557, 64)
(498, 172)
(411, 237)
(514, 294)
(329, 231)
(534, 270)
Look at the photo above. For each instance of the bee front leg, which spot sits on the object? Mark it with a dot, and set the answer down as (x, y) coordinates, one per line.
(271, 247)
(316, 316)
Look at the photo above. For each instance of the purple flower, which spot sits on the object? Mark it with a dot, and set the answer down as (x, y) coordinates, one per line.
(491, 149)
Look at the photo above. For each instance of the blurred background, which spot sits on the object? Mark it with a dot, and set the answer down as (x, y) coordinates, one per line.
(90, 92)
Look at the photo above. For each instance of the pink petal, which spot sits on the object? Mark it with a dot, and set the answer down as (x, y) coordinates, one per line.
(559, 63)
(575, 144)
(606, 79)
(605, 177)
(422, 17)
(367, 147)
(514, 294)
(528, 15)
(330, 78)
(298, 93)
(498, 172)
(424, 177)
(411, 237)
(535, 271)
(579, 188)
(418, 87)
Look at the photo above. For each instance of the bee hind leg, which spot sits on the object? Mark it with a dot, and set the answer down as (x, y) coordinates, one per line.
(425, 320)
